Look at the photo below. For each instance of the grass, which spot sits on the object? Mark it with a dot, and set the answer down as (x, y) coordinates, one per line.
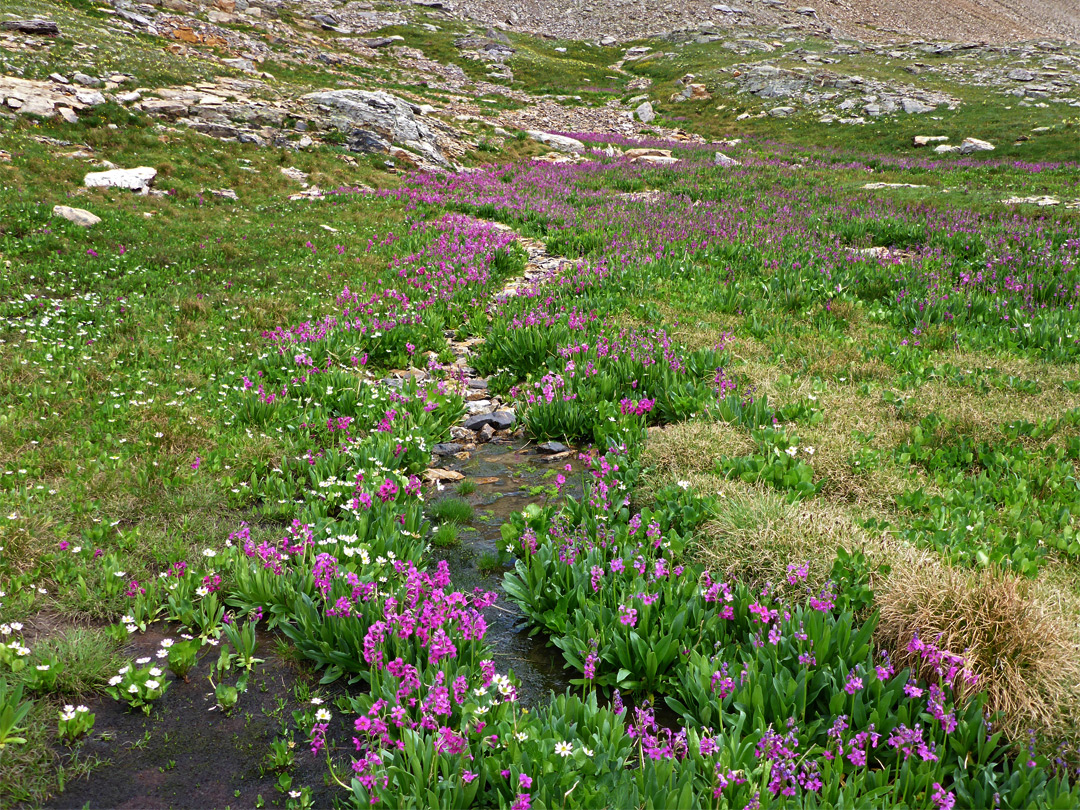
(1016, 640)
(446, 536)
(87, 658)
(451, 510)
(124, 347)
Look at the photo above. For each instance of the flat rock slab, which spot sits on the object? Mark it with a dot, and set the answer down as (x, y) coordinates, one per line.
(447, 448)
(557, 142)
(79, 216)
(435, 474)
(892, 185)
(499, 420)
(41, 28)
(137, 179)
(553, 447)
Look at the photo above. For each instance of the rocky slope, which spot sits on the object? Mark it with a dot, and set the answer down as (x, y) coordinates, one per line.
(990, 21)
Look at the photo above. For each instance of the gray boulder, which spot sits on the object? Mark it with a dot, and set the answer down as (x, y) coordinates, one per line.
(387, 117)
(645, 113)
(40, 28)
(970, 145)
(79, 216)
(499, 420)
(914, 106)
(557, 142)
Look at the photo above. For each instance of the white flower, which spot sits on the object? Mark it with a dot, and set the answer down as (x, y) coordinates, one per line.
(155, 672)
(42, 667)
(587, 751)
(16, 626)
(202, 590)
(791, 451)
(114, 680)
(316, 701)
(294, 794)
(167, 642)
(81, 708)
(564, 749)
(123, 670)
(162, 654)
(323, 715)
(684, 484)
(141, 661)
(133, 689)
(131, 628)
(129, 619)
(809, 450)
(521, 736)
(209, 552)
(152, 684)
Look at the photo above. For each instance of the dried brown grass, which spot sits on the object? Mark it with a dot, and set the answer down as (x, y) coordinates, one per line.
(1019, 642)
(694, 446)
(756, 534)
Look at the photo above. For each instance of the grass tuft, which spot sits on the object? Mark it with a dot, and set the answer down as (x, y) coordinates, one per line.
(451, 510)
(1013, 638)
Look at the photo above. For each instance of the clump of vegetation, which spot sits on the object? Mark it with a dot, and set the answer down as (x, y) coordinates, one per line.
(452, 510)
(1017, 642)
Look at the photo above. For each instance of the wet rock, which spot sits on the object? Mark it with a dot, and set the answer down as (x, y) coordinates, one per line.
(499, 420)
(552, 447)
(38, 28)
(138, 179)
(447, 448)
(79, 216)
(436, 474)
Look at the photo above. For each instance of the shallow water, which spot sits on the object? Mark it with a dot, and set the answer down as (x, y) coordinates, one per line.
(505, 475)
(188, 755)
